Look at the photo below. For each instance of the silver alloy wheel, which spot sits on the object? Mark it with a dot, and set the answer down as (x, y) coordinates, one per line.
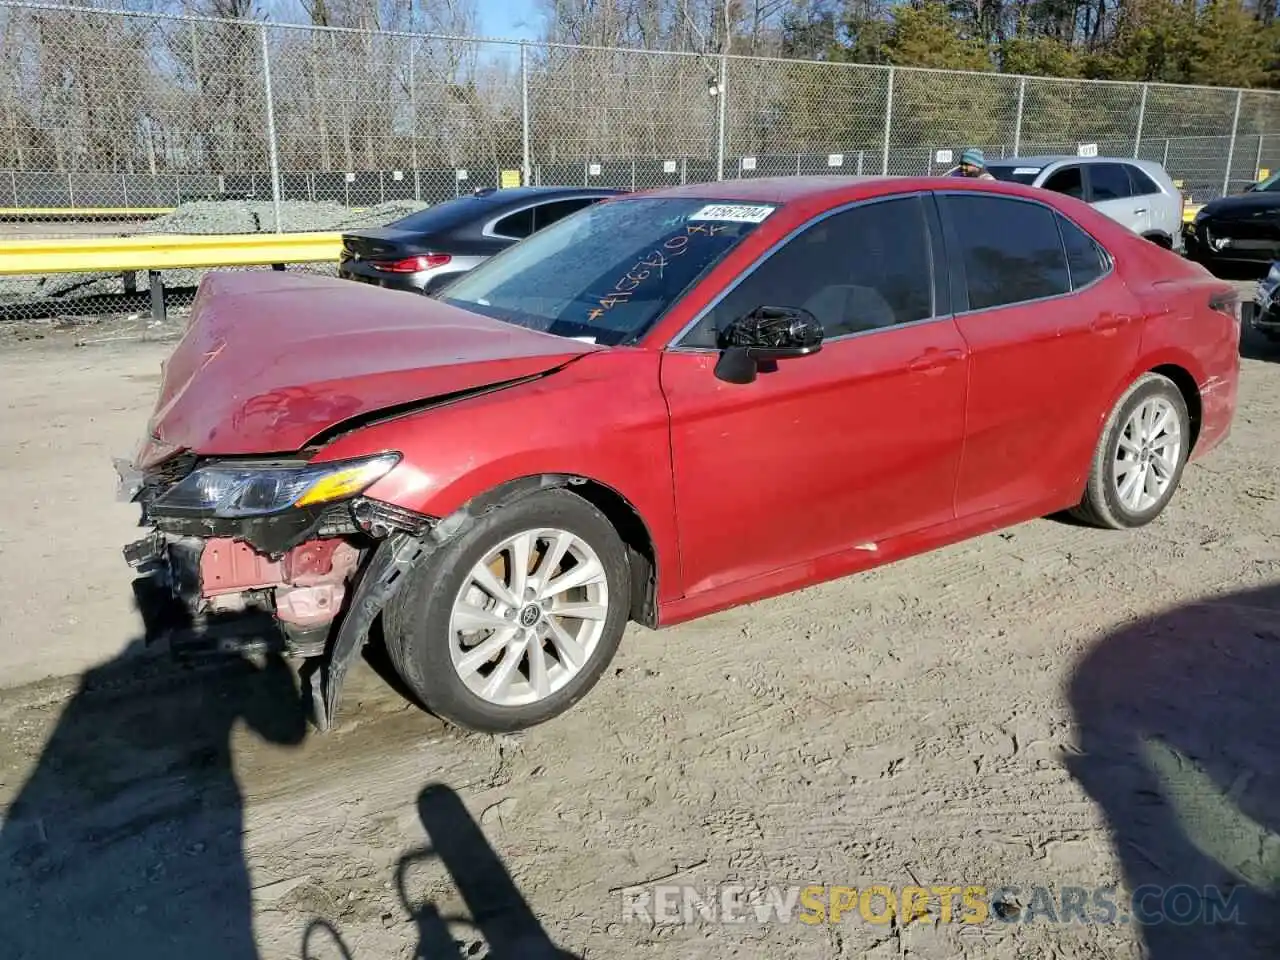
(528, 617)
(1146, 457)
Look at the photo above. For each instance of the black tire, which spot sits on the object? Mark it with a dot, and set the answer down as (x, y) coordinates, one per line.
(416, 622)
(1101, 506)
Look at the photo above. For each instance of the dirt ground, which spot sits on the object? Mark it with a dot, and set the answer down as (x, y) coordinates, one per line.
(1051, 706)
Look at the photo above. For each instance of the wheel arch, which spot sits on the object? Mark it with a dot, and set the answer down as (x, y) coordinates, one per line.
(626, 519)
(1179, 367)
(1177, 370)
(1190, 390)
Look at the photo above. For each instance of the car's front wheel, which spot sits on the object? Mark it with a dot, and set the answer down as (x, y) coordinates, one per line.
(514, 621)
(1138, 463)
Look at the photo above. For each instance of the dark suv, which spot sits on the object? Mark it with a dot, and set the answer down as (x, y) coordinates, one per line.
(425, 251)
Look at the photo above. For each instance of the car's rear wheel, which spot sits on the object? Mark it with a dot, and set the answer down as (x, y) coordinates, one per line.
(514, 621)
(1140, 457)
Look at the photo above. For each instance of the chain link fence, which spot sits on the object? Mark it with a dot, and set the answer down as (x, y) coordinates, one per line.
(132, 122)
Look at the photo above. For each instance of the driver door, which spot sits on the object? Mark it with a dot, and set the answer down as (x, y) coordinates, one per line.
(837, 450)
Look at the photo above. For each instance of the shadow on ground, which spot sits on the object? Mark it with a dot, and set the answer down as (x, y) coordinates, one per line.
(125, 841)
(1178, 719)
(496, 919)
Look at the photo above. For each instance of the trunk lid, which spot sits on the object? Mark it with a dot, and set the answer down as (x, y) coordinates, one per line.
(270, 360)
(382, 244)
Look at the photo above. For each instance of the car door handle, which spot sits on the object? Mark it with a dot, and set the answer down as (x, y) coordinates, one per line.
(1108, 321)
(933, 359)
(1140, 210)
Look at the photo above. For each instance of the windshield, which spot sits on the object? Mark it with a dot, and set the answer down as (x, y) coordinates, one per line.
(1024, 175)
(443, 216)
(607, 273)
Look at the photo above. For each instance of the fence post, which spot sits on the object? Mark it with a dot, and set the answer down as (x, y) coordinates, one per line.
(271, 128)
(1142, 116)
(413, 122)
(1257, 161)
(1017, 126)
(526, 167)
(722, 113)
(1231, 148)
(888, 123)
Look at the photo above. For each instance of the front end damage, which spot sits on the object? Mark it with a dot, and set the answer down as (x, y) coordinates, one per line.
(249, 557)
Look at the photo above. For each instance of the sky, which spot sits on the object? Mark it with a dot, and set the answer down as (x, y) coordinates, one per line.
(509, 19)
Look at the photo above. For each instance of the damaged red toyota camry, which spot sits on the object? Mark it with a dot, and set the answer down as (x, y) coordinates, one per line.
(663, 406)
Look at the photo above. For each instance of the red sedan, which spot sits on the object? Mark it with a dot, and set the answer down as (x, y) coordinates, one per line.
(662, 406)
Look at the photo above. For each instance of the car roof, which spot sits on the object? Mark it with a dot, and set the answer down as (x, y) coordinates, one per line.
(1044, 161)
(834, 189)
(772, 189)
(530, 194)
(1050, 159)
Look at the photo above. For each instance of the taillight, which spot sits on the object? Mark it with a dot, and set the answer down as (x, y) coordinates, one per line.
(428, 261)
(1226, 302)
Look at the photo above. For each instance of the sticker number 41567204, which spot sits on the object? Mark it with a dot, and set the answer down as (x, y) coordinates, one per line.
(733, 213)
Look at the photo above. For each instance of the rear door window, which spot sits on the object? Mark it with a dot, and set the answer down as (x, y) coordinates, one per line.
(1012, 250)
(1067, 180)
(1108, 181)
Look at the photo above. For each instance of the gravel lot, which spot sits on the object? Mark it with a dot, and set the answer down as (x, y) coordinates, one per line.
(1049, 706)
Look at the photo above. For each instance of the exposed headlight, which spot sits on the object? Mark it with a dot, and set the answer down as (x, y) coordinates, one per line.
(248, 490)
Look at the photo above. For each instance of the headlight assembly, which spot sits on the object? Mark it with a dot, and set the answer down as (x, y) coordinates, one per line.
(233, 490)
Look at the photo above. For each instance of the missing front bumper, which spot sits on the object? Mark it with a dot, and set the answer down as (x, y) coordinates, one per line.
(171, 614)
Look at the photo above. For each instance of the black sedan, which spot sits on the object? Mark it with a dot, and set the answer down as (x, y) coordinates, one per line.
(1243, 229)
(425, 251)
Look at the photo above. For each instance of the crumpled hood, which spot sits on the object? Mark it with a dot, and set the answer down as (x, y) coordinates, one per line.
(270, 360)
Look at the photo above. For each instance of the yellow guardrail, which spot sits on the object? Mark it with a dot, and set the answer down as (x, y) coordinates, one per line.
(1189, 211)
(164, 251)
(82, 213)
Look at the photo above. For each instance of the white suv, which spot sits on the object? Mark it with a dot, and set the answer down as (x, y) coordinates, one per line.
(1136, 193)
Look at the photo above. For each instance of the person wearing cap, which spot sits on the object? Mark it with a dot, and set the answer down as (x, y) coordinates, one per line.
(973, 165)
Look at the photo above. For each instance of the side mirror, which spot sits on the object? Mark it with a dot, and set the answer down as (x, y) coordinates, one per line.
(766, 335)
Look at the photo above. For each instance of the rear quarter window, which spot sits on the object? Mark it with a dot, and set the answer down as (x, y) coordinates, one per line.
(1143, 185)
(1086, 260)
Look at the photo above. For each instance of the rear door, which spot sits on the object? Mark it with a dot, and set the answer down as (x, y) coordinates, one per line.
(1051, 331)
(1163, 212)
(1111, 192)
(838, 450)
